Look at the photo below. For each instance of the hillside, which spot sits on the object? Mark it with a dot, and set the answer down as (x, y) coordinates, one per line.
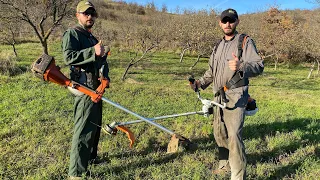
(283, 36)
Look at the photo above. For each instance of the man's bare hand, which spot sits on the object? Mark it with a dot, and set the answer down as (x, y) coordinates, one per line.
(99, 49)
(234, 63)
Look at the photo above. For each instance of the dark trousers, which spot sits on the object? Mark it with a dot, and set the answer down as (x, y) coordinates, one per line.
(228, 125)
(85, 134)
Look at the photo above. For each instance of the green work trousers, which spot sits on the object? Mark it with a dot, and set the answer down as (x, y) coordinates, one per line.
(228, 124)
(86, 134)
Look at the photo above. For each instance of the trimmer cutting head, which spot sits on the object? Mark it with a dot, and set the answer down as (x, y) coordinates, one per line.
(40, 66)
(179, 143)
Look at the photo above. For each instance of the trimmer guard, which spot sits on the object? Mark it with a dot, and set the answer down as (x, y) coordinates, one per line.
(128, 133)
(179, 143)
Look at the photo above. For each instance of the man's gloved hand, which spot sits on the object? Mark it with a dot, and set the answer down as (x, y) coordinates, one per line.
(196, 85)
(99, 49)
(100, 90)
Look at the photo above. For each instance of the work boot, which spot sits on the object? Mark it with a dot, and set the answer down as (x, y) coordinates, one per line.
(223, 168)
(99, 160)
(221, 171)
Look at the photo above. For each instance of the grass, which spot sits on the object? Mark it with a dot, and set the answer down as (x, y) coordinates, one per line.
(282, 140)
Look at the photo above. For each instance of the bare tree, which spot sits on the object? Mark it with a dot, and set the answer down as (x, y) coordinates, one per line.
(205, 35)
(135, 60)
(42, 15)
(196, 32)
(164, 8)
(312, 45)
(148, 38)
(8, 34)
(185, 48)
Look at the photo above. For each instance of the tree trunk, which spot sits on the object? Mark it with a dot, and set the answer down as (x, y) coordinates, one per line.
(13, 42)
(318, 67)
(131, 63)
(276, 62)
(14, 49)
(126, 71)
(182, 54)
(198, 59)
(44, 46)
(311, 69)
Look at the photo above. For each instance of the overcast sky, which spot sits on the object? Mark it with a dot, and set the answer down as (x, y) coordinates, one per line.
(242, 6)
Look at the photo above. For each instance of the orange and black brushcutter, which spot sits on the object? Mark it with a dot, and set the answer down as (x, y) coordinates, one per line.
(45, 68)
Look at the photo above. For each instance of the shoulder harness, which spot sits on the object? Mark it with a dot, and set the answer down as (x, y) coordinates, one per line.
(237, 79)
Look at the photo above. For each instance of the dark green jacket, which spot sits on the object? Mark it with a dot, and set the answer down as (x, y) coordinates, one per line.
(78, 51)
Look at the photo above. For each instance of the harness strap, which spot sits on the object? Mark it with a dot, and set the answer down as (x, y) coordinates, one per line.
(237, 79)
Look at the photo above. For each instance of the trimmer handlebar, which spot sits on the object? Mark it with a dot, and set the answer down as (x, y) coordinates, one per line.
(206, 102)
(223, 95)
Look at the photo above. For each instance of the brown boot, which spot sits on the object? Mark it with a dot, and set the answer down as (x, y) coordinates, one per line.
(221, 171)
(223, 168)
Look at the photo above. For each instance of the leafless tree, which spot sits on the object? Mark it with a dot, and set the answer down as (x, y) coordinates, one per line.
(42, 15)
(135, 59)
(147, 38)
(312, 45)
(8, 34)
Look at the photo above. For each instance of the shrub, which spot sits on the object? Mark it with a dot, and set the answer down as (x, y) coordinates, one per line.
(141, 11)
(134, 8)
(108, 15)
(8, 65)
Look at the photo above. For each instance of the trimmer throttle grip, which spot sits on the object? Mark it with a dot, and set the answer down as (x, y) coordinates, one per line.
(191, 79)
(223, 95)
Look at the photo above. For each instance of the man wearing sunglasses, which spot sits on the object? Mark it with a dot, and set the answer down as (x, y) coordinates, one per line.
(87, 60)
(229, 59)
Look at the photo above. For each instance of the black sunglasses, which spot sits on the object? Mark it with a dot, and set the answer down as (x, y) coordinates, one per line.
(91, 13)
(230, 20)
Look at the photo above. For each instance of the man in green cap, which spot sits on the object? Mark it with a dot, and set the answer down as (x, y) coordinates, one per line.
(87, 60)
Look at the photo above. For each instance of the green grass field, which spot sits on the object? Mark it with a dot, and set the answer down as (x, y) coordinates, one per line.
(282, 140)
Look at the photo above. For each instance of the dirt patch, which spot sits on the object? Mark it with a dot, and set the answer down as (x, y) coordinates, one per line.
(132, 81)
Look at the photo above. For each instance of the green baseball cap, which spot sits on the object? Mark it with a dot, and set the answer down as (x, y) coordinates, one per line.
(84, 5)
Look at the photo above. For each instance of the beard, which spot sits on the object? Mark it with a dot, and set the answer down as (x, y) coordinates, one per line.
(230, 33)
(89, 26)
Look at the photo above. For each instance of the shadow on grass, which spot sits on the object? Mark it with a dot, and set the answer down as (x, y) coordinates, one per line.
(271, 129)
(286, 171)
(250, 131)
(142, 161)
(152, 146)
